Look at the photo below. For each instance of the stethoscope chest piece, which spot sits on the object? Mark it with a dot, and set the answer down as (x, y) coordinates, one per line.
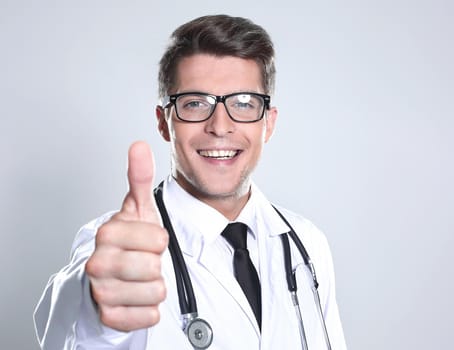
(199, 333)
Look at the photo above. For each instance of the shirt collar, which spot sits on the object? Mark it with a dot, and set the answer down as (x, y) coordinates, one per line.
(196, 224)
(267, 214)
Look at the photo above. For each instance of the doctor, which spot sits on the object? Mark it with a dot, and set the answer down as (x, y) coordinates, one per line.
(120, 290)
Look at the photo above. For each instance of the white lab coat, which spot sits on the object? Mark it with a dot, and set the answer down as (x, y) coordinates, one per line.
(66, 318)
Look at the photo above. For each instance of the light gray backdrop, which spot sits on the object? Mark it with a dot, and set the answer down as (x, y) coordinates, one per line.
(363, 145)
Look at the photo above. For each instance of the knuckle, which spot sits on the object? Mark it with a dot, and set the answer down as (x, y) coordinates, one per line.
(97, 294)
(93, 267)
(155, 316)
(160, 290)
(109, 317)
(162, 239)
(103, 235)
(101, 294)
(101, 263)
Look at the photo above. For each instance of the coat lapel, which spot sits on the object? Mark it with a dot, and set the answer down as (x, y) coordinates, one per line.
(210, 261)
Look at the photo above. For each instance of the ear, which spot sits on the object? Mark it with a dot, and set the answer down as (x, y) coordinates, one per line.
(270, 122)
(163, 127)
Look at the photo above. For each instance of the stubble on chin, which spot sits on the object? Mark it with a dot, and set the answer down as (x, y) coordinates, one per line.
(206, 193)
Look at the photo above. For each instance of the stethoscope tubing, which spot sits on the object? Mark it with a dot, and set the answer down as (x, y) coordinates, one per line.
(185, 290)
(291, 281)
(186, 297)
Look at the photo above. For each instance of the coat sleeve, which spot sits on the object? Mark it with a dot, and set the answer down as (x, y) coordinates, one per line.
(66, 316)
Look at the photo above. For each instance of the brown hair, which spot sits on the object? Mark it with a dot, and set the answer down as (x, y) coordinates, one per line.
(218, 35)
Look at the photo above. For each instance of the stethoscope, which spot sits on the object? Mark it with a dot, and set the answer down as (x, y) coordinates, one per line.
(199, 331)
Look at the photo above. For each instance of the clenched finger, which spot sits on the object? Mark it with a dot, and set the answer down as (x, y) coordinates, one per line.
(119, 293)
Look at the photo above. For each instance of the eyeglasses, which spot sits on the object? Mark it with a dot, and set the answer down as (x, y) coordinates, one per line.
(242, 107)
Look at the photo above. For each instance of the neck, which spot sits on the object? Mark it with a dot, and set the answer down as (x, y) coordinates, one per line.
(230, 207)
(228, 204)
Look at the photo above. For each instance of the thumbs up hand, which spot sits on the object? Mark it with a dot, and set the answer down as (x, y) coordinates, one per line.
(125, 267)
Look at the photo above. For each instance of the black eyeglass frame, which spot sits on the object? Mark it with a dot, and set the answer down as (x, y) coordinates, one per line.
(171, 100)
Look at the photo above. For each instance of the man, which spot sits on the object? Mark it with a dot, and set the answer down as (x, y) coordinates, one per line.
(120, 290)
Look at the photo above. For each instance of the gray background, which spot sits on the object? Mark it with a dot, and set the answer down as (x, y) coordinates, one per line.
(363, 145)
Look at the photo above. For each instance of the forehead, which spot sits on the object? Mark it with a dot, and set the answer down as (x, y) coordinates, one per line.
(218, 75)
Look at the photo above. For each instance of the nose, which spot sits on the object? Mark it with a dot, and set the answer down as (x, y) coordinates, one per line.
(220, 123)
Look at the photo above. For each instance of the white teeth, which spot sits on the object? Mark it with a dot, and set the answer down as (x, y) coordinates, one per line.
(219, 154)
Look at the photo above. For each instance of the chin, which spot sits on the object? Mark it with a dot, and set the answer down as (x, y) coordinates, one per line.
(237, 189)
(204, 188)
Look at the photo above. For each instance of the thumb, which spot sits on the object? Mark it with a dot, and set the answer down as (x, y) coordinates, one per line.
(139, 203)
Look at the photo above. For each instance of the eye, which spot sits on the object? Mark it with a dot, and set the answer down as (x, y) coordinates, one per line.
(244, 101)
(191, 102)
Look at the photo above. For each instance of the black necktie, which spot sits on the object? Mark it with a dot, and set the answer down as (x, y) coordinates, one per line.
(245, 272)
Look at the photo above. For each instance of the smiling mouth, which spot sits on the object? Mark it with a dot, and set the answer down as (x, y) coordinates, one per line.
(219, 154)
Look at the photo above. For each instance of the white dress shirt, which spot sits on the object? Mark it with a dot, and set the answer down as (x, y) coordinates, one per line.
(66, 317)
